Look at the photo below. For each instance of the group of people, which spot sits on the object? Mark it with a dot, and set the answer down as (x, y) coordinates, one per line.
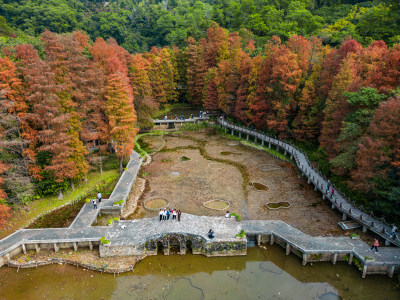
(166, 214)
(175, 117)
(203, 114)
(94, 201)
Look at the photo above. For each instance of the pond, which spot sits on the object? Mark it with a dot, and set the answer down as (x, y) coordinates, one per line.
(262, 274)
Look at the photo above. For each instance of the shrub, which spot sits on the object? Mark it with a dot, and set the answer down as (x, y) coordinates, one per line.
(104, 241)
(112, 220)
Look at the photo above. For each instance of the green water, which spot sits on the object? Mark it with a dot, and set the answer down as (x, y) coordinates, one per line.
(262, 274)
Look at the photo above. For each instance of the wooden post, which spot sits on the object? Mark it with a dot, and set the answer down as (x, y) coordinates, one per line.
(259, 239)
(23, 248)
(387, 242)
(232, 132)
(90, 245)
(247, 137)
(269, 145)
(344, 217)
(75, 246)
(262, 142)
(240, 134)
(8, 258)
(37, 248)
(364, 229)
(271, 241)
(255, 139)
(56, 247)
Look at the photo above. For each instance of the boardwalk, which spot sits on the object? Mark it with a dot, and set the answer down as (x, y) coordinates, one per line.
(134, 236)
(338, 201)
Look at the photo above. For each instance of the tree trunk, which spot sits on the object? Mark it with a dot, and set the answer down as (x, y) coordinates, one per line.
(121, 169)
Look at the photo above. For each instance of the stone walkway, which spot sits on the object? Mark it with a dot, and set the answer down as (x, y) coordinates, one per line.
(137, 233)
(313, 176)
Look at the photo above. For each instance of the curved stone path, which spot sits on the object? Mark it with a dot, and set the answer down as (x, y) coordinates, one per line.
(320, 182)
(141, 237)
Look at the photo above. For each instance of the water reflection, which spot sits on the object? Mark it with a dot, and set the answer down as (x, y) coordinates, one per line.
(262, 274)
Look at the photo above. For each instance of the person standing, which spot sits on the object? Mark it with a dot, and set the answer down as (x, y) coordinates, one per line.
(375, 245)
(179, 215)
(94, 203)
(167, 214)
(160, 214)
(328, 185)
(393, 231)
(164, 214)
(333, 191)
(174, 214)
(99, 197)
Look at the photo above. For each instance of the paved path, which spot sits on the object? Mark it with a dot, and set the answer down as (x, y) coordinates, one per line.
(337, 199)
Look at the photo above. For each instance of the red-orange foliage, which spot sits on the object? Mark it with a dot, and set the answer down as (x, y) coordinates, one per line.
(378, 152)
(278, 81)
(336, 105)
(3, 194)
(162, 74)
(387, 75)
(144, 103)
(211, 93)
(332, 64)
(4, 215)
(243, 90)
(196, 71)
(121, 115)
(228, 76)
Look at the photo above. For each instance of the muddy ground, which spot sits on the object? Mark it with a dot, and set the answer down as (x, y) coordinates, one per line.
(216, 170)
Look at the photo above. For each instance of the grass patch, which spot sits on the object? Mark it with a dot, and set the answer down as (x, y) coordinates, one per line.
(24, 214)
(64, 216)
(119, 202)
(110, 221)
(195, 126)
(254, 145)
(238, 217)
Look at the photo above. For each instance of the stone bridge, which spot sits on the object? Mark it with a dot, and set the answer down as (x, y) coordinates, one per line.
(176, 123)
(147, 236)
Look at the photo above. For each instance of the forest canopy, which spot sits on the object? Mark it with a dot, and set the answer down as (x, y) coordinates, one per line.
(139, 25)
